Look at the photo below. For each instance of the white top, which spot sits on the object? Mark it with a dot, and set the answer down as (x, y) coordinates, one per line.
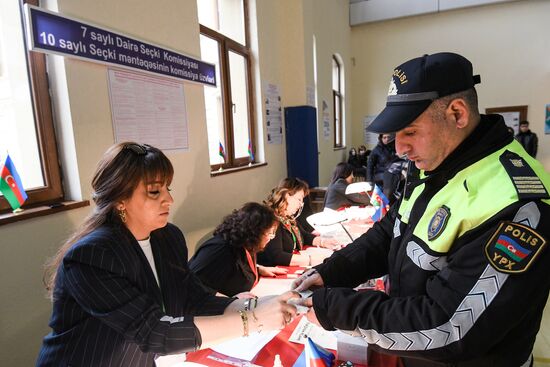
(146, 247)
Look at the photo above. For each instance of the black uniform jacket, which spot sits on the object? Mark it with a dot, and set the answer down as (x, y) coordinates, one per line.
(459, 292)
(108, 308)
(279, 250)
(222, 267)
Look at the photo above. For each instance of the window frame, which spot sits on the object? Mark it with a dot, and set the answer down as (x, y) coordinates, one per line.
(52, 191)
(338, 100)
(226, 45)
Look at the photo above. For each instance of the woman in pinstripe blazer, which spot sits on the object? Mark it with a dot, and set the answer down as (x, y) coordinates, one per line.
(121, 288)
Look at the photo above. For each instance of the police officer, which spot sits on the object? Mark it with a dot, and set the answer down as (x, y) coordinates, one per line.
(465, 249)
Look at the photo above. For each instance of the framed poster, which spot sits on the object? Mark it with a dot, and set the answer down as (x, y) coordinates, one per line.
(512, 115)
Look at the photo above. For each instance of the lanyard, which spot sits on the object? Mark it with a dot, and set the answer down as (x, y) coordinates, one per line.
(252, 264)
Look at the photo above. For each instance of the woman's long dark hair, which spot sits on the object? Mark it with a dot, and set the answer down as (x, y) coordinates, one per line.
(342, 170)
(118, 173)
(245, 227)
(288, 186)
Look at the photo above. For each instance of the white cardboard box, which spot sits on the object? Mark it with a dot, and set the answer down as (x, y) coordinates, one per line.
(351, 348)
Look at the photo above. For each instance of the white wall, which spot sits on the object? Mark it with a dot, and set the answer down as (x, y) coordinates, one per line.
(507, 43)
(83, 115)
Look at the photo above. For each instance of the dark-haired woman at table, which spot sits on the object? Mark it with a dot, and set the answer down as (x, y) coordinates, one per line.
(122, 291)
(287, 200)
(226, 263)
(336, 196)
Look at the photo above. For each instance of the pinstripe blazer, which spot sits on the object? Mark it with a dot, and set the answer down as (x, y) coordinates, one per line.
(108, 308)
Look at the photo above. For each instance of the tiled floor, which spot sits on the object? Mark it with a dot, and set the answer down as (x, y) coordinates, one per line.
(542, 345)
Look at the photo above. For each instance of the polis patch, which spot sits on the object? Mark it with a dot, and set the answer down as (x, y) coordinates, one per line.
(513, 247)
(438, 222)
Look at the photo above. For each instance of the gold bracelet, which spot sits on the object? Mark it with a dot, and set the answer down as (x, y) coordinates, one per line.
(244, 318)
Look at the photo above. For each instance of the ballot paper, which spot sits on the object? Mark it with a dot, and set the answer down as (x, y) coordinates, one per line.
(320, 336)
(245, 347)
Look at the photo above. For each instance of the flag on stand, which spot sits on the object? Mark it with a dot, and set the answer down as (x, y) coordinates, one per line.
(380, 203)
(250, 151)
(221, 152)
(11, 185)
(314, 356)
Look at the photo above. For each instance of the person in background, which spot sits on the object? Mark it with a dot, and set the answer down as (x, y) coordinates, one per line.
(286, 200)
(528, 139)
(363, 153)
(227, 262)
(355, 162)
(466, 248)
(380, 157)
(336, 197)
(121, 289)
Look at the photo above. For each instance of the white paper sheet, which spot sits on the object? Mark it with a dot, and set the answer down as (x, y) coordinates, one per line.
(172, 360)
(245, 347)
(320, 336)
(148, 109)
(273, 114)
(271, 286)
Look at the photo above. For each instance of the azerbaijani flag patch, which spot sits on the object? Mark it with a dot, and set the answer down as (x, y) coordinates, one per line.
(513, 247)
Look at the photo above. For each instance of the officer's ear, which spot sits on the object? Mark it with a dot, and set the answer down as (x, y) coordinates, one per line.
(457, 112)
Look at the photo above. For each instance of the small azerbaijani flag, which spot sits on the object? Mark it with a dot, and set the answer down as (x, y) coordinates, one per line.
(511, 248)
(221, 151)
(314, 356)
(250, 151)
(11, 185)
(380, 202)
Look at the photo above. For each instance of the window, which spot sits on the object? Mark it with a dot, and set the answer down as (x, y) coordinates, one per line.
(26, 124)
(338, 101)
(229, 110)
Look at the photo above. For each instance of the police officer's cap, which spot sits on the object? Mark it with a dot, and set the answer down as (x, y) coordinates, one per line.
(417, 82)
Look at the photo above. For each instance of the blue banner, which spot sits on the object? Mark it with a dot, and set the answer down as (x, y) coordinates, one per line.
(52, 33)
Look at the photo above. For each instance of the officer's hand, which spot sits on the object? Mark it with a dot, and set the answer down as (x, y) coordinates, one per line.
(310, 278)
(311, 316)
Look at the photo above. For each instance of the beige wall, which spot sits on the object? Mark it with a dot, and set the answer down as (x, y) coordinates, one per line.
(83, 116)
(328, 21)
(507, 44)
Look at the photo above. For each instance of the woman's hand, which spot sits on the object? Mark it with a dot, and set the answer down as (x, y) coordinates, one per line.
(273, 312)
(268, 271)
